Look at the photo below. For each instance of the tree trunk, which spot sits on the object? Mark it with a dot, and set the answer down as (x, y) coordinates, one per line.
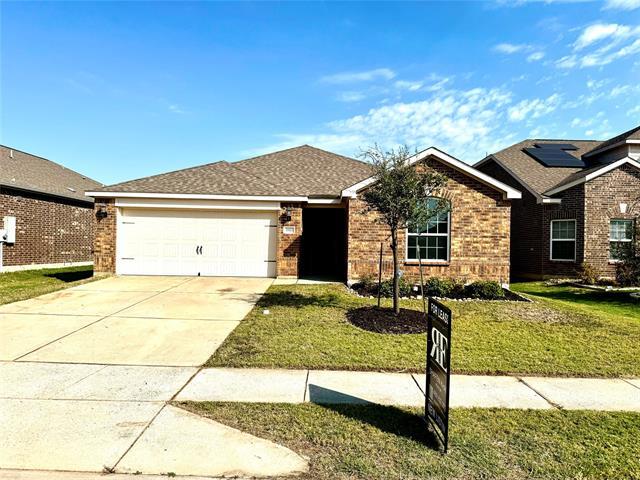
(396, 277)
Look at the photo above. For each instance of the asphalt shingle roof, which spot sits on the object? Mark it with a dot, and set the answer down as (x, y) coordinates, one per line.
(538, 177)
(37, 174)
(633, 134)
(299, 171)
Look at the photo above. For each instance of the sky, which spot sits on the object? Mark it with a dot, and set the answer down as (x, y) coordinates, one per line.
(120, 90)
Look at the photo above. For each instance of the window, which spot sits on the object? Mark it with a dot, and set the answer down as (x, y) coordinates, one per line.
(620, 238)
(432, 239)
(563, 240)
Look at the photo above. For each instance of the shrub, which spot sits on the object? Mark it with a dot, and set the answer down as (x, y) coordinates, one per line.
(404, 288)
(628, 272)
(442, 287)
(588, 274)
(484, 290)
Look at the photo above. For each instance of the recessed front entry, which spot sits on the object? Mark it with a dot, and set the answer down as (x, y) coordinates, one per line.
(324, 243)
(192, 242)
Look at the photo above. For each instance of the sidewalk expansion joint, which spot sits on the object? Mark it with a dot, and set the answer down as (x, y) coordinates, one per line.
(549, 401)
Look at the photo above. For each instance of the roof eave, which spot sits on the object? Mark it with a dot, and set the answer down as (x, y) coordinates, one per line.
(196, 196)
(609, 147)
(49, 194)
(601, 171)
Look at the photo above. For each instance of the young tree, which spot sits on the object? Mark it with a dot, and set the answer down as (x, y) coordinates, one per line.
(399, 195)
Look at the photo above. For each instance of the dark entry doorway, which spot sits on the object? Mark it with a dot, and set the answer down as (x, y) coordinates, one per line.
(324, 243)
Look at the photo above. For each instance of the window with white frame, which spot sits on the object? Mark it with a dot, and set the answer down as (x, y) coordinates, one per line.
(620, 238)
(432, 240)
(563, 240)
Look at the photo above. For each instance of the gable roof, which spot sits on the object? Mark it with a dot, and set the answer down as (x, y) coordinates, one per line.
(303, 171)
(452, 162)
(24, 171)
(590, 173)
(630, 135)
(533, 174)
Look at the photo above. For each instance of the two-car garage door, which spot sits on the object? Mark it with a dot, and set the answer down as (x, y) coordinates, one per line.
(192, 242)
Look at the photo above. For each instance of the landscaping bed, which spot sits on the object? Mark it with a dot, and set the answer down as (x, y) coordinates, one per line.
(439, 288)
(349, 442)
(15, 286)
(564, 331)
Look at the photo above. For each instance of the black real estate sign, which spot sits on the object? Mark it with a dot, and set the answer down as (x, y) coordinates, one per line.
(438, 371)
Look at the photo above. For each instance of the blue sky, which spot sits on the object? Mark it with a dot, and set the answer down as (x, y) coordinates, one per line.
(124, 90)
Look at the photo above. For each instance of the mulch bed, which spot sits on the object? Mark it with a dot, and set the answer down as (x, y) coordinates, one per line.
(382, 320)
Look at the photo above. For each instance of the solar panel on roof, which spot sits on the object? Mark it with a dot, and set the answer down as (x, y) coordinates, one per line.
(556, 146)
(555, 155)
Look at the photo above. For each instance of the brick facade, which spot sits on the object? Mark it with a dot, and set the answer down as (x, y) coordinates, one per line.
(480, 226)
(592, 204)
(603, 196)
(104, 242)
(49, 230)
(289, 245)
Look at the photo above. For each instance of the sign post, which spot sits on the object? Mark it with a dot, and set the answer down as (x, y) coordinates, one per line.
(438, 369)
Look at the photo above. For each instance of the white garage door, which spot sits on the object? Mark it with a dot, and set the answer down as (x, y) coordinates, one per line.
(191, 242)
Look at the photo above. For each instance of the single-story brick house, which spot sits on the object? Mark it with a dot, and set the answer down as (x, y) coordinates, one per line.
(46, 219)
(580, 202)
(294, 213)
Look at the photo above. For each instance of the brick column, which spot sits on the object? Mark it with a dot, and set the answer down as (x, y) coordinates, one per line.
(289, 244)
(104, 241)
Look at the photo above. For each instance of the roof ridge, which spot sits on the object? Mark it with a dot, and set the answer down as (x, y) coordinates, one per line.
(59, 165)
(300, 146)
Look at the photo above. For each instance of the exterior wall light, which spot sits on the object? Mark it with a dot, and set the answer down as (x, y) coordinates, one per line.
(101, 212)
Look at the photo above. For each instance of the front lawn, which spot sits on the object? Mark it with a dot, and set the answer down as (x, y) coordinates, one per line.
(25, 284)
(376, 442)
(565, 331)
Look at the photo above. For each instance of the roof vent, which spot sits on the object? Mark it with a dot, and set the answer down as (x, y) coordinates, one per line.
(10, 153)
(555, 155)
(71, 189)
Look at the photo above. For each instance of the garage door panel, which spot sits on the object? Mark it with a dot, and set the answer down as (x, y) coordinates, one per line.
(163, 242)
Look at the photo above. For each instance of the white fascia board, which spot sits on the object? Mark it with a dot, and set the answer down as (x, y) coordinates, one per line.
(165, 203)
(595, 174)
(509, 192)
(550, 200)
(324, 201)
(257, 198)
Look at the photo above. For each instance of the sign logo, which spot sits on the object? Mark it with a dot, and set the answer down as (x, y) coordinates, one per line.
(439, 344)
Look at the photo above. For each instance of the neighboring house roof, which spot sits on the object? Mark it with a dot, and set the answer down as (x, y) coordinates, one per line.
(631, 135)
(24, 171)
(533, 174)
(452, 162)
(303, 171)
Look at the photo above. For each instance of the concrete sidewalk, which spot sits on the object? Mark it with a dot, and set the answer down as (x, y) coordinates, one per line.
(321, 386)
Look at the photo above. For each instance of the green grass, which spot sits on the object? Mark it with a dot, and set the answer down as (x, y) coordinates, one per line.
(16, 286)
(349, 442)
(565, 331)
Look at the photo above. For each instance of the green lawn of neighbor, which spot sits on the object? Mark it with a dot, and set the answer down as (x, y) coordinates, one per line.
(371, 442)
(565, 331)
(25, 284)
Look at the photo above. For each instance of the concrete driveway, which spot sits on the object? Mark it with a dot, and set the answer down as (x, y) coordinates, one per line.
(158, 321)
(86, 375)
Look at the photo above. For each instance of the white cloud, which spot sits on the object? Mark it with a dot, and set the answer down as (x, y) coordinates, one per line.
(534, 108)
(354, 77)
(634, 112)
(600, 31)
(466, 123)
(621, 4)
(607, 42)
(351, 96)
(511, 48)
(409, 85)
(535, 57)
(173, 108)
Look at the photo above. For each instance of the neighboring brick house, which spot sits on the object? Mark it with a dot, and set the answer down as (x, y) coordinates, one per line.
(295, 213)
(580, 202)
(44, 210)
